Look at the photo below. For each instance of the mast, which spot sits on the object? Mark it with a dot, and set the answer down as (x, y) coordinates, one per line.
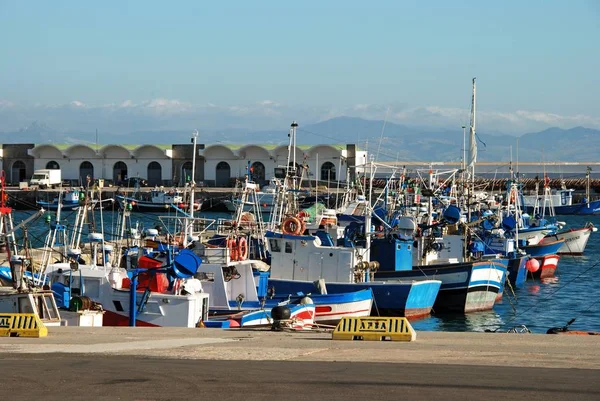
(472, 148)
(587, 185)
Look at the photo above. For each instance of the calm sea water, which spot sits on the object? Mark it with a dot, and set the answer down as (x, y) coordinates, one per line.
(573, 293)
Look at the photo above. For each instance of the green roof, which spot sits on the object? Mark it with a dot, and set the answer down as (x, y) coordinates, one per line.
(271, 146)
(232, 146)
(64, 146)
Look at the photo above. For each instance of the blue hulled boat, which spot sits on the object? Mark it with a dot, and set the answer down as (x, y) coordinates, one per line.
(298, 261)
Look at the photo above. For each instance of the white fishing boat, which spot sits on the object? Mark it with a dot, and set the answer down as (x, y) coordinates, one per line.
(158, 200)
(575, 239)
(163, 297)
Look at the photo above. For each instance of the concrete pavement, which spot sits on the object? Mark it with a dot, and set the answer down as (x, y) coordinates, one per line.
(483, 349)
(152, 364)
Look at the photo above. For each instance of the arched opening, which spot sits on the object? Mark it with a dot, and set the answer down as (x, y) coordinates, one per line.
(257, 172)
(52, 165)
(86, 171)
(18, 172)
(327, 171)
(223, 174)
(186, 173)
(154, 173)
(120, 173)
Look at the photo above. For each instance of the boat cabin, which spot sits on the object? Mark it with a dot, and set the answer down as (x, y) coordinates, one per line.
(40, 302)
(168, 197)
(307, 257)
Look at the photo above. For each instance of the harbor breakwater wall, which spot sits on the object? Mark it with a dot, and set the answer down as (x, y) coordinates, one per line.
(26, 198)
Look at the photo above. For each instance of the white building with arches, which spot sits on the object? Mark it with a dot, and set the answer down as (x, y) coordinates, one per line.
(216, 164)
(114, 163)
(326, 163)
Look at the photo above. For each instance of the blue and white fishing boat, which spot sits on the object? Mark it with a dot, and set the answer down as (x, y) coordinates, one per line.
(466, 285)
(239, 287)
(562, 200)
(70, 200)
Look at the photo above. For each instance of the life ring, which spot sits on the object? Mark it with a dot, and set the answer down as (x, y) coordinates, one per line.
(233, 249)
(291, 225)
(242, 248)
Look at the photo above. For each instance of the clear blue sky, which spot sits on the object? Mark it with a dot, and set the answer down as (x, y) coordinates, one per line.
(531, 55)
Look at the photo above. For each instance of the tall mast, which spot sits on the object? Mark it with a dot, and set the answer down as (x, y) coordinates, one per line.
(472, 138)
(472, 147)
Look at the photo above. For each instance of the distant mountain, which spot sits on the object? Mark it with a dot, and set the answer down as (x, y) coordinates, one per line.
(388, 141)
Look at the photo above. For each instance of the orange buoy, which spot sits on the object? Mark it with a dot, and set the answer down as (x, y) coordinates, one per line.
(242, 248)
(292, 226)
(532, 265)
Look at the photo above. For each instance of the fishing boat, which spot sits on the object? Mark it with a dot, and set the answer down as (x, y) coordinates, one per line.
(466, 286)
(38, 301)
(575, 239)
(562, 199)
(165, 296)
(300, 317)
(17, 295)
(157, 201)
(239, 286)
(69, 199)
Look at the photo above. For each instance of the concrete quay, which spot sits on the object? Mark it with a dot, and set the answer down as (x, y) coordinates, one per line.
(492, 349)
(144, 364)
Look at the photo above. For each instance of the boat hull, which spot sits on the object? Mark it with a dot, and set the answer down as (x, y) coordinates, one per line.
(575, 240)
(302, 316)
(544, 248)
(406, 299)
(150, 207)
(331, 308)
(465, 287)
(584, 209)
(54, 205)
(548, 266)
(517, 271)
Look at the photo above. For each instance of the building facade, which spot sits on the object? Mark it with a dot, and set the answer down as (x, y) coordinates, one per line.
(216, 165)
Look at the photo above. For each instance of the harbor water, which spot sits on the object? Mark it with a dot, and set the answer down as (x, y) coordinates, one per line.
(539, 305)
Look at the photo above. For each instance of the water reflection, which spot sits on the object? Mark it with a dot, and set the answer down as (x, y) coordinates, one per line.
(476, 321)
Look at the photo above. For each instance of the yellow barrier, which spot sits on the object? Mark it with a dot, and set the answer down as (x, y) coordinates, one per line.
(374, 329)
(21, 325)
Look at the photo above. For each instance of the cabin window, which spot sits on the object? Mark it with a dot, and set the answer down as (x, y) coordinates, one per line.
(118, 306)
(50, 307)
(92, 288)
(25, 305)
(274, 245)
(288, 247)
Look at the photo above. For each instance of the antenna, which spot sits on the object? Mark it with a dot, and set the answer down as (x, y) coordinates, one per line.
(382, 131)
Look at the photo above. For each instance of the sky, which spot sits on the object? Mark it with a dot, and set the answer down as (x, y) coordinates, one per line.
(262, 63)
